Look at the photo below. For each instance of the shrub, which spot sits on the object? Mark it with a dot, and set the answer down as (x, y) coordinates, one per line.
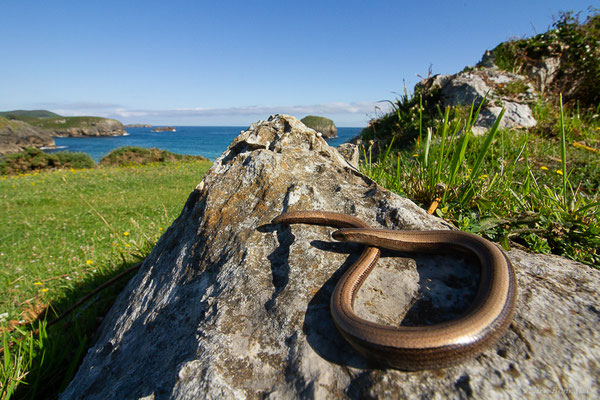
(130, 155)
(33, 159)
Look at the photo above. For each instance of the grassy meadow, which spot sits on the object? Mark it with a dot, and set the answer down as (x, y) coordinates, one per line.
(63, 233)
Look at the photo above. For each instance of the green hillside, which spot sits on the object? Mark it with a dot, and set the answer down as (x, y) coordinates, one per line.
(27, 114)
(64, 122)
(48, 120)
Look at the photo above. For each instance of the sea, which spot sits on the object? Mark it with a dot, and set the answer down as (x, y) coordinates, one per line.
(207, 141)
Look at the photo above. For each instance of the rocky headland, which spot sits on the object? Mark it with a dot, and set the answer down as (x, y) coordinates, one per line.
(18, 135)
(21, 128)
(83, 126)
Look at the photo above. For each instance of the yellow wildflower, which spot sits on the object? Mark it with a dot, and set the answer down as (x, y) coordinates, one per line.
(44, 290)
(38, 283)
(558, 171)
(544, 168)
(125, 233)
(89, 262)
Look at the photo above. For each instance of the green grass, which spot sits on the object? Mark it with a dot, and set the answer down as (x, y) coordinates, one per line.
(63, 233)
(512, 186)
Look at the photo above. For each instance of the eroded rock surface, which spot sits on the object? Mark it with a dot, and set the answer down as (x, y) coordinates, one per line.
(502, 89)
(17, 135)
(229, 306)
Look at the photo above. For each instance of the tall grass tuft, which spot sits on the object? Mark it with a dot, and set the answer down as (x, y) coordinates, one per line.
(498, 185)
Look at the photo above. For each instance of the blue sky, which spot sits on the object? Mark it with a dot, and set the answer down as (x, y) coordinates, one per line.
(234, 62)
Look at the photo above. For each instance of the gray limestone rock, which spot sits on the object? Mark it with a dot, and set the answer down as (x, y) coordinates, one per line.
(228, 305)
(502, 89)
(350, 152)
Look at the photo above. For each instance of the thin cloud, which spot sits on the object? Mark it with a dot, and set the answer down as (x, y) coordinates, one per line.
(328, 108)
(79, 108)
(348, 113)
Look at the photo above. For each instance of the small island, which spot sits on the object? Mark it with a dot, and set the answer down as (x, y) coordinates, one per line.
(164, 129)
(321, 124)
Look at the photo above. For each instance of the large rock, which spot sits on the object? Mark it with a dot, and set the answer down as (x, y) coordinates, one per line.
(502, 89)
(229, 306)
(17, 135)
(541, 72)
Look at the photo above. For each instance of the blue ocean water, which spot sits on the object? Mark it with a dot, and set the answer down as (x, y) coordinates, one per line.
(207, 141)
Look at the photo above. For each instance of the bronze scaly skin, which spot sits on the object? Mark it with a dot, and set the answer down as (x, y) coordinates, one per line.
(421, 347)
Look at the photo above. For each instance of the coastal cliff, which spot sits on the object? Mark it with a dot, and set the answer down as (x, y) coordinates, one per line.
(17, 135)
(81, 126)
(36, 128)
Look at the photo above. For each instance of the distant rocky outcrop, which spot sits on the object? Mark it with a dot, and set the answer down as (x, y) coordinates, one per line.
(228, 305)
(321, 124)
(138, 126)
(17, 135)
(164, 129)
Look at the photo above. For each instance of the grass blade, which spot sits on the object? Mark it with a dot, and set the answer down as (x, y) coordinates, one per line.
(457, 159)
(563, 154)
(486, 146)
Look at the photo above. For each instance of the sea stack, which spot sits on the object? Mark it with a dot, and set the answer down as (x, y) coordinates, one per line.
(321, 124)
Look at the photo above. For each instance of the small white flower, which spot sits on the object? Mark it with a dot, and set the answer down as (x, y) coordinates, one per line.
(3, 317)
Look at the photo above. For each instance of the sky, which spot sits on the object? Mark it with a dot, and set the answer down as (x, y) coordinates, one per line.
(232, 63)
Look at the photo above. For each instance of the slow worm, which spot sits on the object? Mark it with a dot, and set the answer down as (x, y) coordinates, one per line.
(418, 347)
